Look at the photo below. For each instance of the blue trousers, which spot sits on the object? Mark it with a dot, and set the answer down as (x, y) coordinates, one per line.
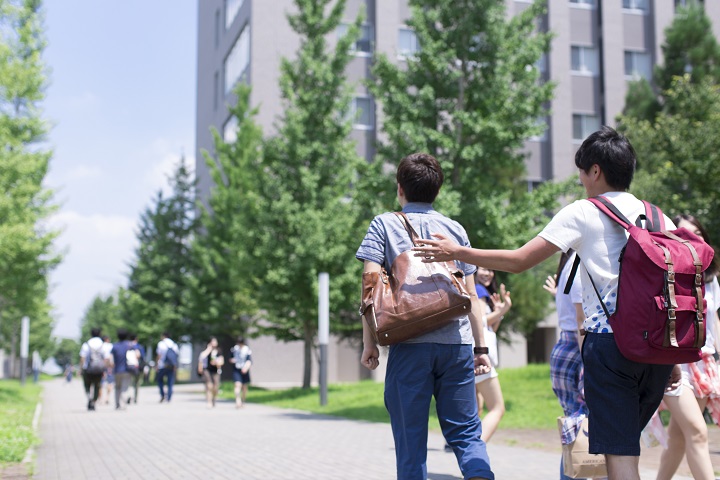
(170, 374)
(415, 373)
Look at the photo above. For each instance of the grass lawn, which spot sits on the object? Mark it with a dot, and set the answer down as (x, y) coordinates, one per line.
(17, 405)
(529, 399)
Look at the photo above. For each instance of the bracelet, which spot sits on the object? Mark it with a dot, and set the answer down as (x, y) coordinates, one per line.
(481, 350)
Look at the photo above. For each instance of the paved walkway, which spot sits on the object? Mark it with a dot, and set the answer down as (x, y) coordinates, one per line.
(183, 440)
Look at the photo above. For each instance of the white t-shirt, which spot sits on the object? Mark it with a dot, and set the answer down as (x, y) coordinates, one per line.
(598, 241)
(95, 343)
(162, 347)
(565, 304)
(712, 297)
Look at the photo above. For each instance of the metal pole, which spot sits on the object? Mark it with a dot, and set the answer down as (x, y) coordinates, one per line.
(24, 348)
(323, 330)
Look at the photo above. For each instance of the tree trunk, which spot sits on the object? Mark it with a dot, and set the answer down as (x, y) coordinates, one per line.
(307, 373)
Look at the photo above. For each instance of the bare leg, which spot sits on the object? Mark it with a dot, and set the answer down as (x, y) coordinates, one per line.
(207, 376)
(690, 432)
(622, 467)
(244, 391)
(490, 391)
(238, 400)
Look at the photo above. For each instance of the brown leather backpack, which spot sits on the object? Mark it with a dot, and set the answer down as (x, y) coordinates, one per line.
(415, 298)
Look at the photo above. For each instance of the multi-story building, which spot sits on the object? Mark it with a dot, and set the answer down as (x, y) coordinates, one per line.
(598, 47)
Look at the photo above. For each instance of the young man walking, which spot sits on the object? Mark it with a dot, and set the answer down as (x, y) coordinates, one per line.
(118, 359)
(92, 365)
(440, 363)
(621, 395)
(167, 354)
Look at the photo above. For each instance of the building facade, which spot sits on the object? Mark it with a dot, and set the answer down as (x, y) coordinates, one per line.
(598, 47)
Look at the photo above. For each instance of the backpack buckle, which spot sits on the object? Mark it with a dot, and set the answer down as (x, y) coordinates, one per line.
(670, 276)
(671, 314)
(698, 279)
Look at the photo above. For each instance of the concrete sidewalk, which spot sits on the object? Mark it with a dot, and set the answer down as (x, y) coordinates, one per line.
(183, 439)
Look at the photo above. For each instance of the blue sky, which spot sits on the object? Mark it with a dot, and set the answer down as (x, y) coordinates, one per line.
(121, 100)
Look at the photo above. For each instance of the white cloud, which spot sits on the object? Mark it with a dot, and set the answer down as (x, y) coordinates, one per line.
(98, 248)
(81, 172)
(165, 155)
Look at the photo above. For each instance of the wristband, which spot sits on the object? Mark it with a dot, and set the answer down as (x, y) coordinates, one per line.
(481, 350)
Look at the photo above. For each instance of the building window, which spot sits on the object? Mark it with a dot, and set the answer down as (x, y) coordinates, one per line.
(408, 44)
(362, 113)
(636, 5)
(688, 3)
(638, 65)
(542, 63)
(543, 123)
(232, 7)
(364, 44)
(584, 125)
(238, 59)
(584, 60)
(585, 3)
(217, 28)
(230, 130)
(216, 90)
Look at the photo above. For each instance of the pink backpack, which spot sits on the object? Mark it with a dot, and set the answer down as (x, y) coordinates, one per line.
(660, 313)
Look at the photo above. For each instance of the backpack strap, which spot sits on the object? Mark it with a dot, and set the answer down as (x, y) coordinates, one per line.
(700, 323)
(571, 276)
(606, 207)
(654, 218)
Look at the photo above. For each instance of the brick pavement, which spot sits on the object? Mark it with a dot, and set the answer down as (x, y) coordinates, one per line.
(185, 440)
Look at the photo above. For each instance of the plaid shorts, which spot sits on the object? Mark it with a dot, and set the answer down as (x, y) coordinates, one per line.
(566, 373)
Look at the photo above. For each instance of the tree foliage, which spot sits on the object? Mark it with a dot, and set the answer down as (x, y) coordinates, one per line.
(307, 221)
(221, 294)
(25, 203)
(679, 152)
(472, 96)
(690, 47)
(104, 312)
(158, 284)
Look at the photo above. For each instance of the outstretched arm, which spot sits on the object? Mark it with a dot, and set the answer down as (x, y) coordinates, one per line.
(514, 261)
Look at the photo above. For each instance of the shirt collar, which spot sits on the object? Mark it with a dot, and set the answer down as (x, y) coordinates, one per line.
(418, 207)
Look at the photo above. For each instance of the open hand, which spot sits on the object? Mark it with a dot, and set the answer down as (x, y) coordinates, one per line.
(441, 250)
(502, 301)
(551, 284)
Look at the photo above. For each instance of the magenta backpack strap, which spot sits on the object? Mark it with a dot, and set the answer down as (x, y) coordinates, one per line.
(654, 218)
(605, 206)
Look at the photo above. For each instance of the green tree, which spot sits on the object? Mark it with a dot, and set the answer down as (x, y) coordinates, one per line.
(221, 299)
(67, 352)
(105, 313)
(690, 47)
(471, 96)
(679, 152)
(25, 204)
(158, 284)
(309, 222)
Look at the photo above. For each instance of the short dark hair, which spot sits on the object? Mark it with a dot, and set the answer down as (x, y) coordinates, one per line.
(95, 332)
(133, 337)
(165, 334)
(241, 340)
(420, 177)
(613, 153)
(122, 334)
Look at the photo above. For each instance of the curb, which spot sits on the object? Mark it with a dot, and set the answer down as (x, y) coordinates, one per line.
(36, 420)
